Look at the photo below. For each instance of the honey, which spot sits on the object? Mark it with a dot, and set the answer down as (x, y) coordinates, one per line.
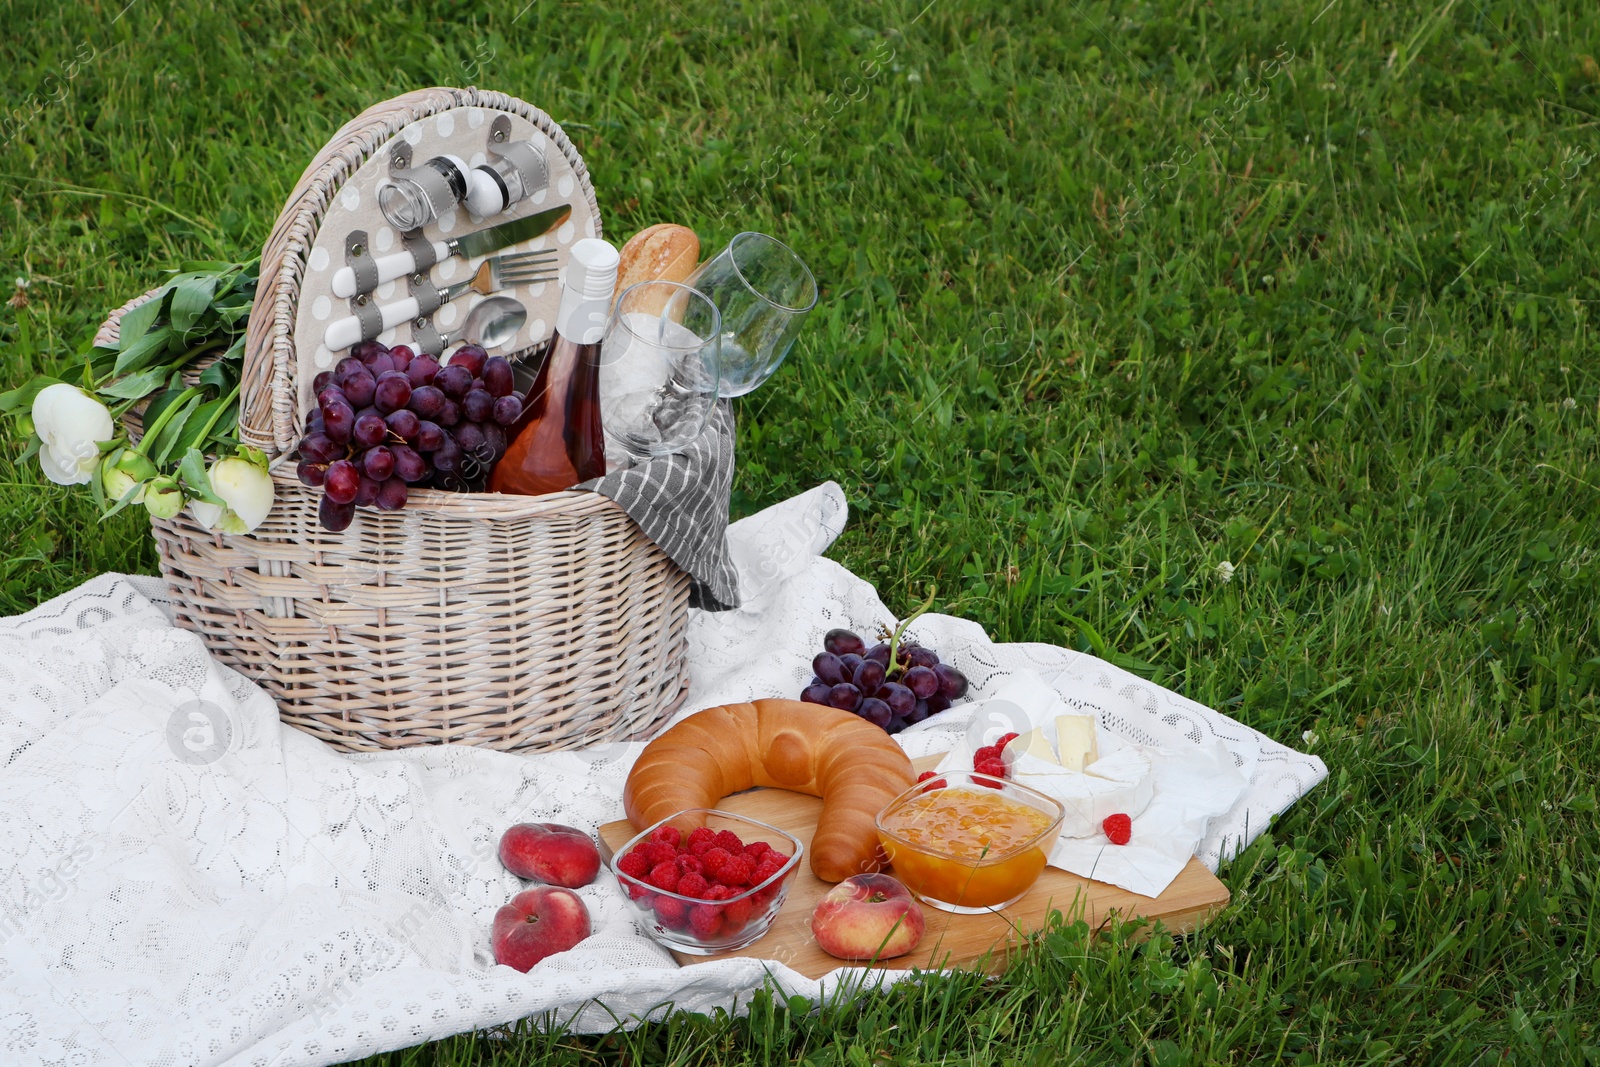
(967, 846)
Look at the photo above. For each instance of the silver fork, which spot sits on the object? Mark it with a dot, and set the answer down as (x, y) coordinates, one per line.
(498, 272)
(492, 275)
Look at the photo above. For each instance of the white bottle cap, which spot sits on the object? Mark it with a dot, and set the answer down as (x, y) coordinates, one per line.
(590, 279)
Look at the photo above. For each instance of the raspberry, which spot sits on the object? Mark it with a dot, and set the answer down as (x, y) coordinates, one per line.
(640, 894)
(634, 864)
(656, 852)
(672, 912)
(737, 913)
(729, 840)
(756, 849)
(667, 835)
(769, 865)
(992, 767)
(1006, 739)
(925, 775)
(720, 892)
(705, 921)
(715, 860)
(664, 876)
(689, 863)
(737, 870)
(693, 885)
(1119, 828)
(700, 839)
(986, 752)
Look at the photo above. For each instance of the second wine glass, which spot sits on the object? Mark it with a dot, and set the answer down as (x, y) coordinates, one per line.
(764, 292)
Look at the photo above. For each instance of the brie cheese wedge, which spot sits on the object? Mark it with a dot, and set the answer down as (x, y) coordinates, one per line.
(1119, 782)
(1076, 745)
(1033, 743)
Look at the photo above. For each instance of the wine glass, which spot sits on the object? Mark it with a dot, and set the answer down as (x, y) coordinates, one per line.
(659, 368)
(764, 291)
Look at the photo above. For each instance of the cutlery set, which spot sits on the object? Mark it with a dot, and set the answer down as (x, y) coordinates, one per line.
(363, 272)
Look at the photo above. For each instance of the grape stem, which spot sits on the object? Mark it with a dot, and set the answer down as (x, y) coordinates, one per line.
(899, 631)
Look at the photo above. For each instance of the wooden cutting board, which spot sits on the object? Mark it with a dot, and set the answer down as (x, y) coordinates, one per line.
(970, 941)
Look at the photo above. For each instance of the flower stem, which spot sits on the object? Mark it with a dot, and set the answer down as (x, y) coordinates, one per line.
(899, 631)
(166, 416)
(216, 415)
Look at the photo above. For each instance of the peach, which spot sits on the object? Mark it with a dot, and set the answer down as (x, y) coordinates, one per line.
(538, 922)
(868, 916)
(551, 853)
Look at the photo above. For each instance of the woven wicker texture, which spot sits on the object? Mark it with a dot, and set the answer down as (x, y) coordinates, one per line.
(508, 622)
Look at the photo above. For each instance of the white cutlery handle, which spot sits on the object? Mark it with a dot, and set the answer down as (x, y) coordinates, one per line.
(347, 331)
(390, 267)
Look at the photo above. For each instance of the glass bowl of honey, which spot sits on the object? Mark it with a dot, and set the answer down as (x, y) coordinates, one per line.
(968, 843)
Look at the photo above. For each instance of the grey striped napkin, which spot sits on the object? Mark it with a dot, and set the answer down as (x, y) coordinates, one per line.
(681, 503)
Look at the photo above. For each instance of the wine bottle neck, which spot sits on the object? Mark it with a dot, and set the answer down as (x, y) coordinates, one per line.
(590, 277)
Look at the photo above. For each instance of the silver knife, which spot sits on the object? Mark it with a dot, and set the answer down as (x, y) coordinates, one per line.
(467, 246)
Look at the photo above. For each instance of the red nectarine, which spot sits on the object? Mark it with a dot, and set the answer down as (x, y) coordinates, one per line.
(868, 916)
(538, 922)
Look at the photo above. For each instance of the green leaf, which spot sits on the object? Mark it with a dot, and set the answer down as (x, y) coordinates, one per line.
(222, 375)
(171, 434)
(209, 266)
(22, 397)
(192, 470)
(226, 431)
(136, 323)
(136, 385)
(199, 424)
(122, 502)
(148, 347)
(97, 491)
(152, 412)
(191, 298)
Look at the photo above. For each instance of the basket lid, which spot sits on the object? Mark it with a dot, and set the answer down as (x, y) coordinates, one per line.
(337, 196)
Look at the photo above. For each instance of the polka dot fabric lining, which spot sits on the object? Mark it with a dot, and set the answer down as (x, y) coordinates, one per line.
(226, 890)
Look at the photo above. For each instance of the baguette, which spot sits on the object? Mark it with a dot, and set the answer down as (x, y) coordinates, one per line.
(852, 765)
(664, 252)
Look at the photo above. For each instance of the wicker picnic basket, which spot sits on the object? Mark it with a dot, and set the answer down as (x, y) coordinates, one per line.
(518, 623)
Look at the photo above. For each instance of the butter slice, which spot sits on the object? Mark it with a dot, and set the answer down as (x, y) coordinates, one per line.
(1032, 743)
(1075, 741)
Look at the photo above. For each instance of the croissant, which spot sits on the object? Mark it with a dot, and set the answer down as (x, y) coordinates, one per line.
(852, 765)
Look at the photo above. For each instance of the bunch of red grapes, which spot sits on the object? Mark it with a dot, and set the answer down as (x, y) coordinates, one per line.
(852, 677)
(388, 419)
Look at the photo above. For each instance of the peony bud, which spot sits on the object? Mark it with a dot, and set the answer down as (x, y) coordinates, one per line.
(118, 483)
(162, 497)
(245, 487)
(70, 424)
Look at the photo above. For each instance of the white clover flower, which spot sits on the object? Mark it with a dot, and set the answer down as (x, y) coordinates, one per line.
(71, 424)
(1310, 738)
(1225, 572)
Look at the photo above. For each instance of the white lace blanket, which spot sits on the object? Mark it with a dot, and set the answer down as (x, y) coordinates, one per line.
(185, 881)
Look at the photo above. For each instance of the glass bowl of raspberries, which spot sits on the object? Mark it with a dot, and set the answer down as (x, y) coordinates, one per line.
(707, 881)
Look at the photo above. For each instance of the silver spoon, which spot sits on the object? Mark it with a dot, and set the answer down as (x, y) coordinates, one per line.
(491, 323)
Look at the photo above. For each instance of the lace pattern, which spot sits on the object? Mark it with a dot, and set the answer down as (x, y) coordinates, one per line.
(186, 881)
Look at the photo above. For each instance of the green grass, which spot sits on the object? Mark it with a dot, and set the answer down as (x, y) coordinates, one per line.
(1340, 340)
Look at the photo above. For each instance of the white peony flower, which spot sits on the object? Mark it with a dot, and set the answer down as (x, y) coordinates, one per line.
(71, 424)
(246, 488)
